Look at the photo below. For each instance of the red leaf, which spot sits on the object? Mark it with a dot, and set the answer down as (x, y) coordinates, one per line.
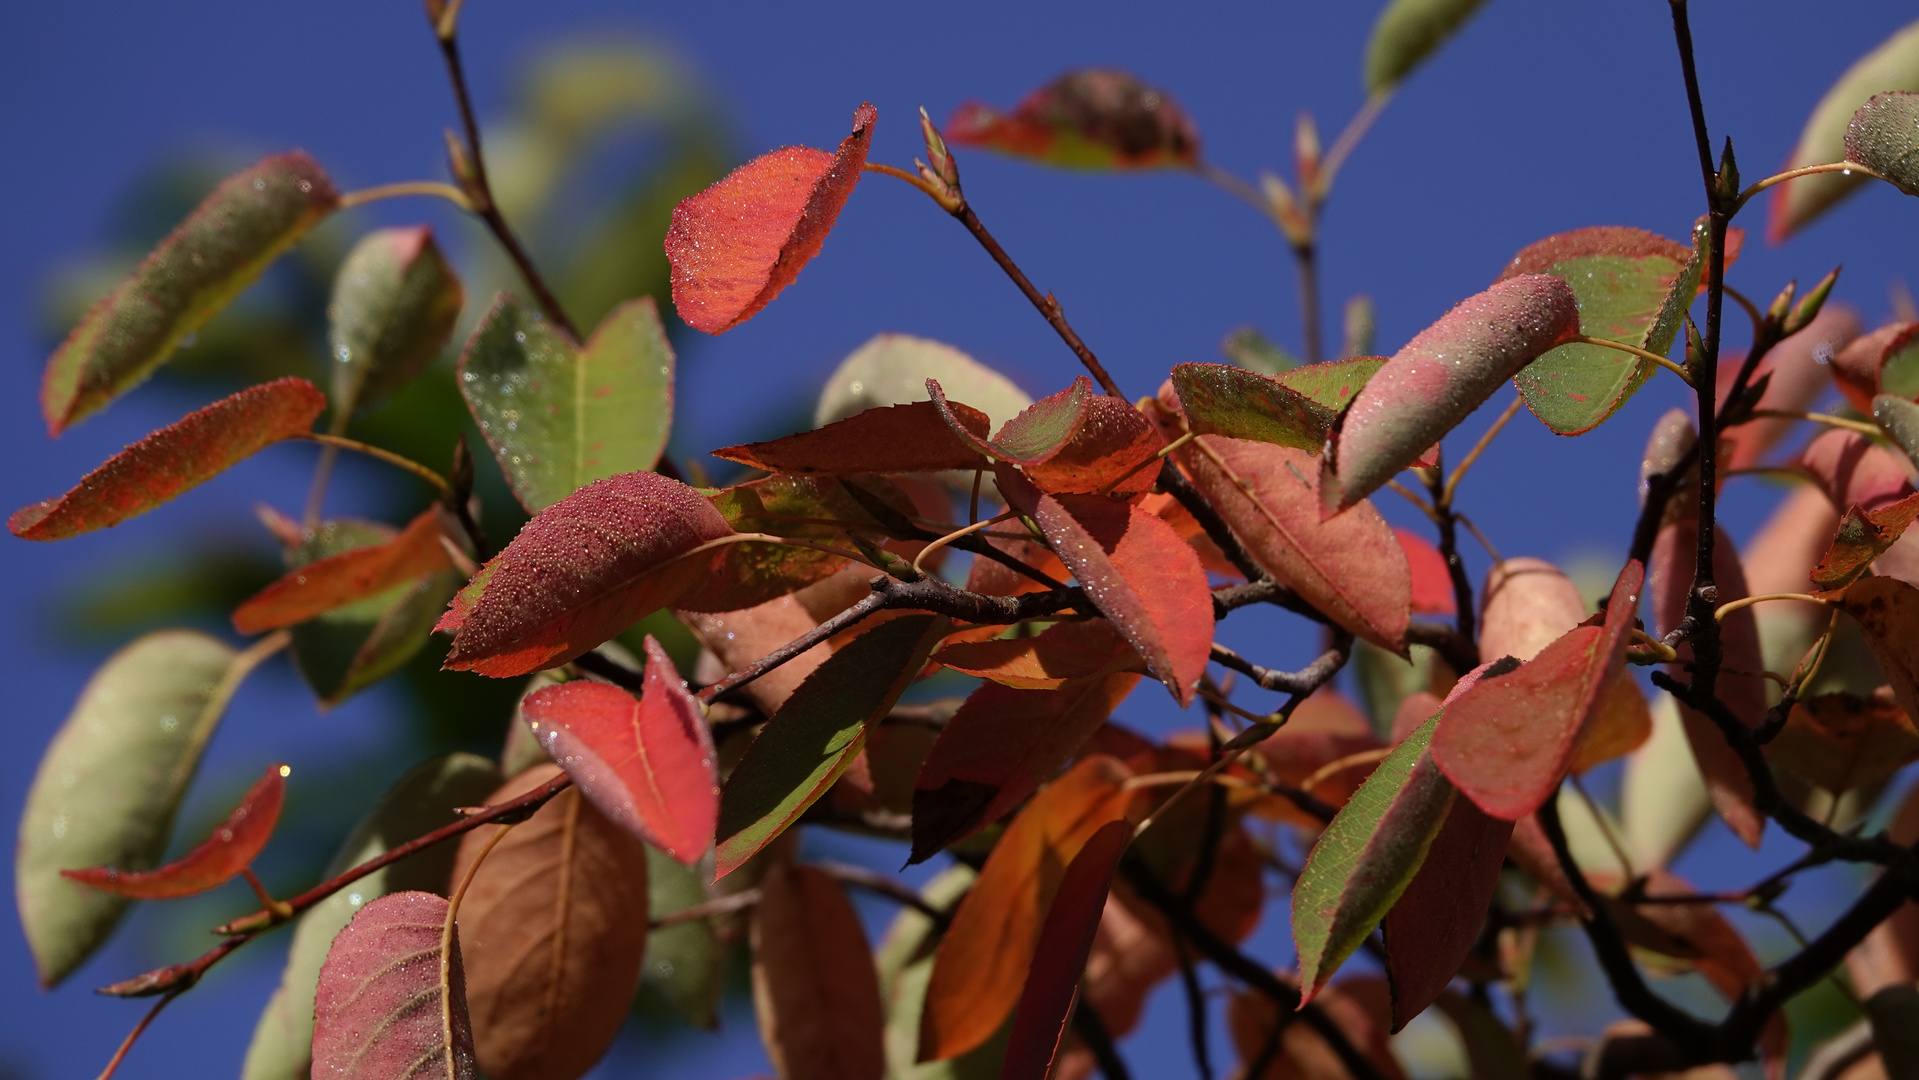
(178, 457)
(1065, 939)
(1075, 441)
(319, 587)
(891, 439)
(216, 860)
(1432, 582)
(1509, 740)
(1325, 729)
(1437, 920)
(1040, 431)
(1092, 118)
(382, 1010)
(583, 570)
(1136, 570)
(1351, 567)
(735, 245)
(1003, 742)
(1617, 241)
(648, 764)
(1887, 609)
(1439, 378)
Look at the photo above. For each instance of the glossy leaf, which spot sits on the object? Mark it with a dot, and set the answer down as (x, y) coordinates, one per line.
(1881, 136)
(1091, 118)
(1136, 570)
(648, 765)
(1887, 609)
(1004, 742)
(1408, 32)
(1367, 856)
(383, 1008)
(423, 800)
(892, 369)
(982, 960)
(344, 649)
(1220, 399)
(229, 849)
(351, 576)
(175, 459)
(814, 987)
(818, 732)
(109, 785)
(1439, 378)
(1632, 286)
(395, 300)
(583, 570)
(1438, 919)
(1065, 939)
(1893, 65)
(196, 271)
(735, 245)
(560, 415)
(1432, 581)
(1863, 536)
(1509, 740)
(897, 438)
(1351, 566)
(905, 961)
(555, 927)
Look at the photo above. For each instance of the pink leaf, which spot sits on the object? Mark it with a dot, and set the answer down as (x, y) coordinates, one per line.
(382, 1010)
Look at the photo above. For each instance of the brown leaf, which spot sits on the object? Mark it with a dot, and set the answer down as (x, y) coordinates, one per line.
(814, 987)
(1842, 741)
(1887, 609)
(555, 923)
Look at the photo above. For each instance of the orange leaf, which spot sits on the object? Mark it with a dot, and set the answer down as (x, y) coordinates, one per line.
(814, 987)
(1842, 741)
(178, 457)
(1064, 652)
(1862, 536)
(647, 764)
(216, 860)
(890, 439)
(319, 587)
(734, 246)
(1324, 729)
(982, 960)
(1065, 939)
(1887, 609)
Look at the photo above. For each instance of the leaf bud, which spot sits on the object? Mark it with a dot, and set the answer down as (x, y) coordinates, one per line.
(1781, 305)
(1808, 309)
(885, 560)
(461, 166)
(1285, 209)
(1726, 185)
(1306, 152)
(1695, 353)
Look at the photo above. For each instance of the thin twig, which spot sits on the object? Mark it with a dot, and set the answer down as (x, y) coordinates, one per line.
(126, 1044)
(1847, 167)
(435, 188)
(397, 460)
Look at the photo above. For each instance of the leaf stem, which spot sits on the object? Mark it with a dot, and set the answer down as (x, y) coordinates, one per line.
(1847, 167)
(126, 1044)
(1747, 601)
(1844, 424)
(397, 460)
(1643, 354)
(434, 188)
(957, 534)
(1348, 141)
(278, 907)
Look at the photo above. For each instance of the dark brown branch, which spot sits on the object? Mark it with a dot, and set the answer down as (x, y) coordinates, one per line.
(1174, 483)
(1448, 524)
(1099, 1042)
(1460, 654)
(1306, 261)
(719, 905)
(1195, 1011)
(1304, 681)
(879, 884)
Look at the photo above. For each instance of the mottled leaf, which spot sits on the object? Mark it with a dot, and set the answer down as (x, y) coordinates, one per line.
(814, 987)
(1881, 136)
(1334, 383)
(175, 459)
(324, 584)
(1863, 536)
(581, 571)
(1887, 609)
(1893, 65)
(1509, 740)
(1439, 378)
(1113, 452)
(1367, 857)
(735, 245)
(896, 438)
(1436, 922)
(560, 415)
(229, 849)
(1220, 399)
(818, 732)
(197, 270)
(1065, 939)
(555, 927)
(1040, 431)
(1406, 33)
(892, 369)
(1254, 351)
(391, 1002)
(423, 800)
(395, 300)
(982, 960)
(1136, 570)
(648, 765)
(1091, 118)
(1632, 286)
(109, 785)
(1845, 741)
(347, 648)
(1351, 566)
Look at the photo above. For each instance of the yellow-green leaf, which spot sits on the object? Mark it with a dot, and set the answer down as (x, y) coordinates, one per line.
(1894, 65)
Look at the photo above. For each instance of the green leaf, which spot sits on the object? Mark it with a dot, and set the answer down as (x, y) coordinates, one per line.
(905, 959)
(682, 962)
(350, 648)
(1367, 856)
(1254, 351)
(1333, 383)
(1881, 135)
(892, 369)
(1406, 33)
(423, 800)
(394, 303)
(1631, 286)
(1900, 419)
(1220, 399)
(815, 735)
(198, 269)
(1894, 65)
(110, 783)
(560, 416)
